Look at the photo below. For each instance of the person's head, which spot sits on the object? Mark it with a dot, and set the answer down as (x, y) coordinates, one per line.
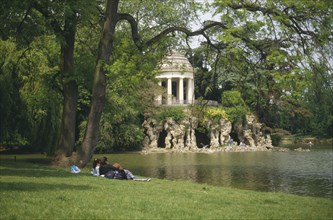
(96, 162)
(117, 166)
(104, 160)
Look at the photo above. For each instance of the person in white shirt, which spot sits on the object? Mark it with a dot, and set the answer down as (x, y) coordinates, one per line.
(95, 168)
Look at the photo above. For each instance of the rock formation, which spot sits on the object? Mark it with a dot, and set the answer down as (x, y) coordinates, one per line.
(168, 135)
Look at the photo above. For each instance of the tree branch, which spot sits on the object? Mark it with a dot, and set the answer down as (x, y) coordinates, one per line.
(187, 32)
(54, 23)
(24, 18)
(134, 27)
(137, 40)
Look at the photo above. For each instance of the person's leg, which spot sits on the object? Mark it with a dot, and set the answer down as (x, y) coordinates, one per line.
(142, 179)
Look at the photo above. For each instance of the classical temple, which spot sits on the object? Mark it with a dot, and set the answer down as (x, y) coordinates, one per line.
(176, 74)
(192, 133)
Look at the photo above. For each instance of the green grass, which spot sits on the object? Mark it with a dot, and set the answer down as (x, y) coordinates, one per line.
(31, 190)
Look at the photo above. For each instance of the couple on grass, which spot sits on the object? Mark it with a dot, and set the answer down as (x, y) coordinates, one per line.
(101, 167)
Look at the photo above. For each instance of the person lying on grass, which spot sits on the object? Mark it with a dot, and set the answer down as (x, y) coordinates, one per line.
(115, 171)
(96, 166)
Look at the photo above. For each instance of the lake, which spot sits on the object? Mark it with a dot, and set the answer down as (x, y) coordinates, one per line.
(301, 173)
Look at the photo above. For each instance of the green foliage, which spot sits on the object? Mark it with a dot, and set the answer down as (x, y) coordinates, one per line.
(43, 101)
(84, 61)
(236, 114)
(318, 99)
(124, 136)
(232, 99)
(128, 96)
(29, 103)
(12, 118)
(176, 113)
(235, 106)
(38, 29)
(206, 81)
(155, 16)
(215, 114)
(277, 135)
(280, 71)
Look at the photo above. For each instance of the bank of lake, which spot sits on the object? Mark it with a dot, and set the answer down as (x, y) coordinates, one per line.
(31, 189)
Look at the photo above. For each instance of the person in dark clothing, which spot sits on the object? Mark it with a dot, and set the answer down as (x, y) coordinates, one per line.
(124, 174)
(105, 167)
(120, 174)
(104, 160)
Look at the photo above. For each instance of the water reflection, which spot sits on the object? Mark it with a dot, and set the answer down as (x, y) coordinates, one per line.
(303, 173)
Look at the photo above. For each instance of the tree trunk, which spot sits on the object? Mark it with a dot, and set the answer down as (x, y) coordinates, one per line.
(70, 94)
(99, 86)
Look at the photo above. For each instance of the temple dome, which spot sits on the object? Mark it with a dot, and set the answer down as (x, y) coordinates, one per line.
(175, 65)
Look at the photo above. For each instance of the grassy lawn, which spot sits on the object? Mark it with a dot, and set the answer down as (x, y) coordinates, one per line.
(34, 190)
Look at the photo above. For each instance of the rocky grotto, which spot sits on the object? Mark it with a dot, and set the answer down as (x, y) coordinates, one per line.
(191, 135)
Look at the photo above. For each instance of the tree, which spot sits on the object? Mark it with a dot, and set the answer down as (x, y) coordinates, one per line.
(31, 19)
(63, 17)
(269, 51)
(29, 103)
(112, 17)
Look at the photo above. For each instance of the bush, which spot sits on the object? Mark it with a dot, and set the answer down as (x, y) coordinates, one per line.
(276, 139)
(277, 136)
(234, 106)
(236, 114)
(215, 114)
(176, 113)
(232, 99)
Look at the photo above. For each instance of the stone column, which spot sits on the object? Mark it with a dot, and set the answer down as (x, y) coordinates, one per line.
(192, 95)
(169, 91)
(181, 91)
(190, 91)
(159, 97)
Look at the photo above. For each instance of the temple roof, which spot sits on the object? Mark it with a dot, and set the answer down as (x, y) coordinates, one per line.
(176, 64)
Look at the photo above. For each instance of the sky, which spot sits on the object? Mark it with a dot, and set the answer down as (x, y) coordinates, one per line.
(195, 41)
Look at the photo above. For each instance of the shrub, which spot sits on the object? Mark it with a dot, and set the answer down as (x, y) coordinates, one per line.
(234, 106)
(277, 136)
(215, 114)
(232, 99)
(276, 139)
(236, 114)
(176, 113)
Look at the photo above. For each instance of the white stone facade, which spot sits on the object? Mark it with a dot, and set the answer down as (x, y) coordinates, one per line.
(176, 74)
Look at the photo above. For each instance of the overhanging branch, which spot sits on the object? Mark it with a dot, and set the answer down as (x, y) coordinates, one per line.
(187, 32)
(137, 40)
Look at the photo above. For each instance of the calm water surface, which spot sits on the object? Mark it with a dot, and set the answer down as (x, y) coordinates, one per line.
(302, 173)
